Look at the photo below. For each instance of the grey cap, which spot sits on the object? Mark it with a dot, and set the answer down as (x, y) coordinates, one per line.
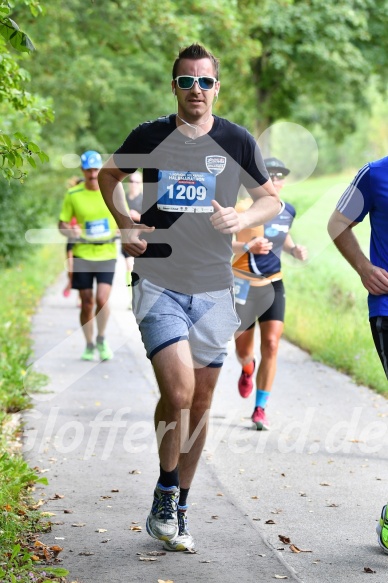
(276, 165)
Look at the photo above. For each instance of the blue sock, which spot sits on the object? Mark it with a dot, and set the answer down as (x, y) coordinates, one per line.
(261, 398)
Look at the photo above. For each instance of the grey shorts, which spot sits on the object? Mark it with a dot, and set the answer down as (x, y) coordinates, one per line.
(207, 320)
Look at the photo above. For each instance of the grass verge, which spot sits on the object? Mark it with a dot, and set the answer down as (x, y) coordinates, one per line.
(22, 558)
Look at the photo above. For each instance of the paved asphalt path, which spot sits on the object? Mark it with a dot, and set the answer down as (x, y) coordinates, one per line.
(318, 478)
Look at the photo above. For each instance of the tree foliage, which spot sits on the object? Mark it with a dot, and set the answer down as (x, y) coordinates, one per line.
(16, 148)
(107, 65)
(318, 58)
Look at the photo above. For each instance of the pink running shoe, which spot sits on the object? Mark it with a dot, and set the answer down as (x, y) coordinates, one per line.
(259, 419)
(245, 382)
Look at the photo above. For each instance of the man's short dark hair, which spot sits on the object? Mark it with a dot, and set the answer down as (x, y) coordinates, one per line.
(195, 52)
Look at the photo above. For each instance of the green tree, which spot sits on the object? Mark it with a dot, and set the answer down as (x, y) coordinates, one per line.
(16, 148)
(317, 59)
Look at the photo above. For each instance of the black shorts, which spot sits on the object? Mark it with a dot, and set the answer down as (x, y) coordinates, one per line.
(379, 327)
(85, 272)
(264, 303)
(69, 247)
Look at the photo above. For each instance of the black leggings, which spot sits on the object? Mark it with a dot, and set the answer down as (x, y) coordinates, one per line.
(379, 327)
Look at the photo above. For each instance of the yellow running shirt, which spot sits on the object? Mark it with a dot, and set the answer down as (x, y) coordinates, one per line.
(95, 220)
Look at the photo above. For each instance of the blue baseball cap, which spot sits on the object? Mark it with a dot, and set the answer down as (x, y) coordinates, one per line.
(91, 159)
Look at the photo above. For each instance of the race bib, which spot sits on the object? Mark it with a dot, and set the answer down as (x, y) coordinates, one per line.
(97, 229)
(187, 192)
(241, 290)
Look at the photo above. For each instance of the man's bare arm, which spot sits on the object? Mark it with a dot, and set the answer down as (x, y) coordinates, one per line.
(374, 279)
(110, 181)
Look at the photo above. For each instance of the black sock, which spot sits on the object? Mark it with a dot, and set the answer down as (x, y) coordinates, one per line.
(90, 345)
(169, 479)
(184, 492)
(100, 339)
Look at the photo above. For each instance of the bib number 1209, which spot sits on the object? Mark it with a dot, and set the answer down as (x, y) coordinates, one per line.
(186, 192)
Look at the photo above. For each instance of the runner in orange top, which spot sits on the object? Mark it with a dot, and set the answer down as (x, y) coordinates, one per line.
(260, 294)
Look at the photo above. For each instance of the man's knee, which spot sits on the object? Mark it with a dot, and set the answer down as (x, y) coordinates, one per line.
(178, 400)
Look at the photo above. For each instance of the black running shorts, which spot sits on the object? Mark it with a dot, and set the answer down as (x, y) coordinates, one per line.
(264, 303)
(85, 272)
(379, 327)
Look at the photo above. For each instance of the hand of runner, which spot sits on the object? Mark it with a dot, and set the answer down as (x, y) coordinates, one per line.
(225, 219)
(260, 246)
(131, 241)
(300, 252)
(76, 232)
(375, 280)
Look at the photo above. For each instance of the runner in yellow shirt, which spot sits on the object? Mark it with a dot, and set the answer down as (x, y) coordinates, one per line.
(94, 252)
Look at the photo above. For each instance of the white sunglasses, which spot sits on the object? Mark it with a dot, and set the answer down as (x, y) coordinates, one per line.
(187, 81)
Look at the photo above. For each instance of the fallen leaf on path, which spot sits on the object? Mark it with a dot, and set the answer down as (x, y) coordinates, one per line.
(57, 497)
(48, 514)
(332, 505)
(205, 561)
(215, 517)
(56, 550)
(135, 472)
(136, 528)
(325, 484)
(270, 521)
(280, 577)
(105, 497)
(78, 524)
(101, 530)
(147, 559)
(277, 511)
(255, 518)
(156, 553)
(162, 581)
(115, 490)
(368, 570)
(106, 540)
(295, 549)
(219, 494)
(255, 498)
(68, 511)
(285, 539)
(86, 553)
